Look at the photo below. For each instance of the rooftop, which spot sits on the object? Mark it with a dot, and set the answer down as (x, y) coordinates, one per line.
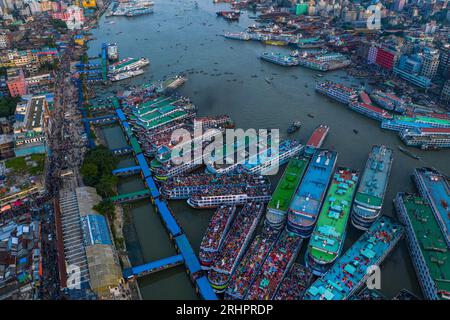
(431, 240)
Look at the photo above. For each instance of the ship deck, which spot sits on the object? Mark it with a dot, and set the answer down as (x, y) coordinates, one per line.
(328, 235)
(281, 198)
(375, 177)
(317, 137)
(347, 275)
(431, 240)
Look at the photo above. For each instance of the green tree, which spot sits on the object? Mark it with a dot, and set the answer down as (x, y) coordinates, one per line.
(106, 208)
(89, 171)
(8, 106)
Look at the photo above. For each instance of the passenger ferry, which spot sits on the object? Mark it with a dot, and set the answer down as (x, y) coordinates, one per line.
(285, 190)
(126, 75)
(278, 58)
(327, 239)
(370, 111)
(250, 264)
(427, 245)
(231, 196)
(435, 188)
(112, 51)
(128, 64)
(426, 138)
(234, 246)
(275, 267)
(267, 163)
(237, 36)
(371, 191)
(349, 273)
(313, 64)
(215, 235)
(316, 140)
(336, 91)
(305, 206)
(388, 101)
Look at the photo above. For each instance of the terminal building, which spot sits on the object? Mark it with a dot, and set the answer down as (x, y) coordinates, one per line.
(88, 262)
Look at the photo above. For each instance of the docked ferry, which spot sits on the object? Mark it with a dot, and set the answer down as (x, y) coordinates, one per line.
(295, 283)
(112, 51)
(285, 190)
(426, 138)
(337, 91)
(346, 277)
(305, 206)
(327, 239)
(250, 264)
(231, 196)
(171, 83)
(237, 36)
(370, 111)
(267, 163)
(126, 75)
(427, 245)
(185, 186)
(388, 101)
(313, 64)
(370, 194)
(316, 140)
(275, 267)
(234, 246)
(128, 64)
(278, 58)
(215, 234)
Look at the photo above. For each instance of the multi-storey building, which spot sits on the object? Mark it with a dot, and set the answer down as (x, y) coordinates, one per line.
(16, 82)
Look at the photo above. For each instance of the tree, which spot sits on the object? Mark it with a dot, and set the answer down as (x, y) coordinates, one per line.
(8, 106)
(106, 207)
(89, 171)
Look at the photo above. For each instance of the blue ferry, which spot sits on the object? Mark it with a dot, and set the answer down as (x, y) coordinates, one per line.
(306, 204)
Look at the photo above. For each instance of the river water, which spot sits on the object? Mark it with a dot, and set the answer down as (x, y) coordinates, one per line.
(226, 76)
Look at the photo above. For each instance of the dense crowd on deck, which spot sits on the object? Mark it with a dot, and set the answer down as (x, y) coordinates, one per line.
(249, 266)
(234, 244)
(295, 283)
(217, 229)
(249, 190)
(275, 267)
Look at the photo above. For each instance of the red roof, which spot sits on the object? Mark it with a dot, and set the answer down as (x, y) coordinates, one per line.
(436, 130)
(318, 136)
(377, 110)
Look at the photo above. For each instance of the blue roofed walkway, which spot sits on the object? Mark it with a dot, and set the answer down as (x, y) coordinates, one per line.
(152, 267)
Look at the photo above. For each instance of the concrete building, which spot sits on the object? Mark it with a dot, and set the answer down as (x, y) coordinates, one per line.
(444, 61)
(6, 146)
(445, 93)
(16, 82)
(430, 60)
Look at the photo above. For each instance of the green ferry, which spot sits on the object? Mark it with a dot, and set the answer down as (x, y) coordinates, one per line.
(285, 190)
(328, 236)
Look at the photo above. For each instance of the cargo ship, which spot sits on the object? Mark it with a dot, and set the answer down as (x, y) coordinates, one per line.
(237, 36)
(336, 91)
(250, 264)
(183, 187)
(316, 140)
(266, 163)
(305, 206)
(426, 138)
(327, 239)
(215, 235)
(126, 75)
(434, 187)
(349, 273)
(278, 58)
(370, 194)
(370, 111)
(128, 64)
(427, 245)
(295, 283)
(285, 190)
(275, 267)
(234, 246)
(112, 51)
(388, 101)
(231, 196)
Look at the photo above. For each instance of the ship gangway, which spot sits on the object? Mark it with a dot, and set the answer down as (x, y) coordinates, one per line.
(122, 151)
(152, 267)
(108, 119)
(126, 171)
(104, 62)
(132, 196)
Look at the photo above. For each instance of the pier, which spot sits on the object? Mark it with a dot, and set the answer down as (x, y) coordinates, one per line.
(132, 196)
(126, 171)
(152, 267)
(122, 151)
(186, 254)
(101, 120)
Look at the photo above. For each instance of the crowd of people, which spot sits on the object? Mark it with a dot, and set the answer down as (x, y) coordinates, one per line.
(295, 283)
